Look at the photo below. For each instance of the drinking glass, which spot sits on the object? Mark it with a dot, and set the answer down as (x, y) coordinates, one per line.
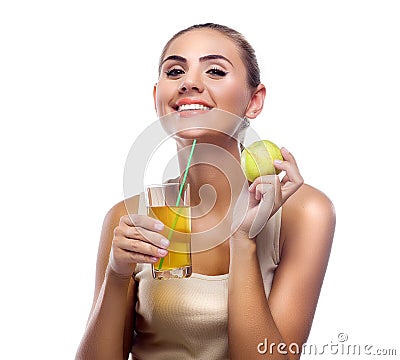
(170, 204)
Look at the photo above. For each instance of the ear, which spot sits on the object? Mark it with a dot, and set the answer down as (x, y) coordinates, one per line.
(256, 102)
(155, 96)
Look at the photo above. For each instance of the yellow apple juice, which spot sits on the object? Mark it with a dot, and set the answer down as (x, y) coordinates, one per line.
(177, 229)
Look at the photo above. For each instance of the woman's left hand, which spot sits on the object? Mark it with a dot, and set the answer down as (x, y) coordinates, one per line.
(267, 194)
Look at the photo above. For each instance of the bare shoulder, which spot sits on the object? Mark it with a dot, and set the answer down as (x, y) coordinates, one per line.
(112, 219)
(306, 210)
(113, 216)
(309, 201)
(124, 207)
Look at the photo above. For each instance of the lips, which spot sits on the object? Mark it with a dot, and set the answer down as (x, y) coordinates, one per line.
(193, 107)
(188, 104)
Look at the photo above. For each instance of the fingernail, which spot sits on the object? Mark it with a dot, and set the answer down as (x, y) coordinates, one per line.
(278, 162)
(162, 252)
(164, 242)
(154, 259)
(159, 226)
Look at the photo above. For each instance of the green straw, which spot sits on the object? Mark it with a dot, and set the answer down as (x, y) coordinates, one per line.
(178, 199)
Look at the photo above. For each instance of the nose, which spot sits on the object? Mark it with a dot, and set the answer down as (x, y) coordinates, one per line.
(191, 82)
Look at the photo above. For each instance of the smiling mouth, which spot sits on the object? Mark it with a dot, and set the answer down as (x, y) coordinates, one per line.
(193, 107)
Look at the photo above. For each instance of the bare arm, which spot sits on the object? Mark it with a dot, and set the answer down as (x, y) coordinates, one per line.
(109, 329)
(308, 227)
(250, 318)
(308, 223)
(125, 241)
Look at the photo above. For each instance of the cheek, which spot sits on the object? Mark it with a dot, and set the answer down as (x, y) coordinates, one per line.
(162, 97)
(233, 97)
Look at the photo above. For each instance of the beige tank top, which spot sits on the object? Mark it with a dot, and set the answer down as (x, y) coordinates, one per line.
(188, 318)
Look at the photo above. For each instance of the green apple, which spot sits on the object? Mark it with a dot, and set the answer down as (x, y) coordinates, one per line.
(258, 159)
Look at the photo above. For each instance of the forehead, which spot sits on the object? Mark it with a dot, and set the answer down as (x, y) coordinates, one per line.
(201, 42)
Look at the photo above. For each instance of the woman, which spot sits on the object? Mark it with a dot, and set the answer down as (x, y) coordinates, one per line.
(271, 296)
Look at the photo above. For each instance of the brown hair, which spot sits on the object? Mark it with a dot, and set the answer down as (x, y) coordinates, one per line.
(246, 50)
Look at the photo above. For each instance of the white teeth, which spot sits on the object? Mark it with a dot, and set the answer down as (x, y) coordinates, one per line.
(193, 107)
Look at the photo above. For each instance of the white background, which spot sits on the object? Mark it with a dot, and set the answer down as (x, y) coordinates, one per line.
(76, 80)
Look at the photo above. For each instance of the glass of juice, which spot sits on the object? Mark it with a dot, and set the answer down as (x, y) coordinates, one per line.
(170, 204)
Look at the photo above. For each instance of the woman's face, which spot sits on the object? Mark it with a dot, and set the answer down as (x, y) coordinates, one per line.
(201, 70)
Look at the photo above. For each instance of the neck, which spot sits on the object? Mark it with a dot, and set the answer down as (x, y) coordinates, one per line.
(214, 174)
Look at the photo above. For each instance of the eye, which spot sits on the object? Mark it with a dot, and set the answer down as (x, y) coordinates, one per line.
(174, 72)
(217, 72)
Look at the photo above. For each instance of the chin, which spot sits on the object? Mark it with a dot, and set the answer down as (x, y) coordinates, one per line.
(197, 133)
(201, 125)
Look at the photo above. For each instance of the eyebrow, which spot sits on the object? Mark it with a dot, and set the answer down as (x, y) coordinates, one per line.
(201, 59)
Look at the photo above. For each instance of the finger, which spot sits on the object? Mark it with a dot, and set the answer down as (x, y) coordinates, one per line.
(285, 179)
(287, 155)
(138, 233)
(142, 221)
(277, 195)
(131, 257)
(267, 179)
(256, 188)
(264, 209)
(140, 247)
(292, 180)
(289, 165)
(143, 259)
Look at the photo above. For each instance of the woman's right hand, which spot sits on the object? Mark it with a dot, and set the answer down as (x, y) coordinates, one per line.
(137, 239)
